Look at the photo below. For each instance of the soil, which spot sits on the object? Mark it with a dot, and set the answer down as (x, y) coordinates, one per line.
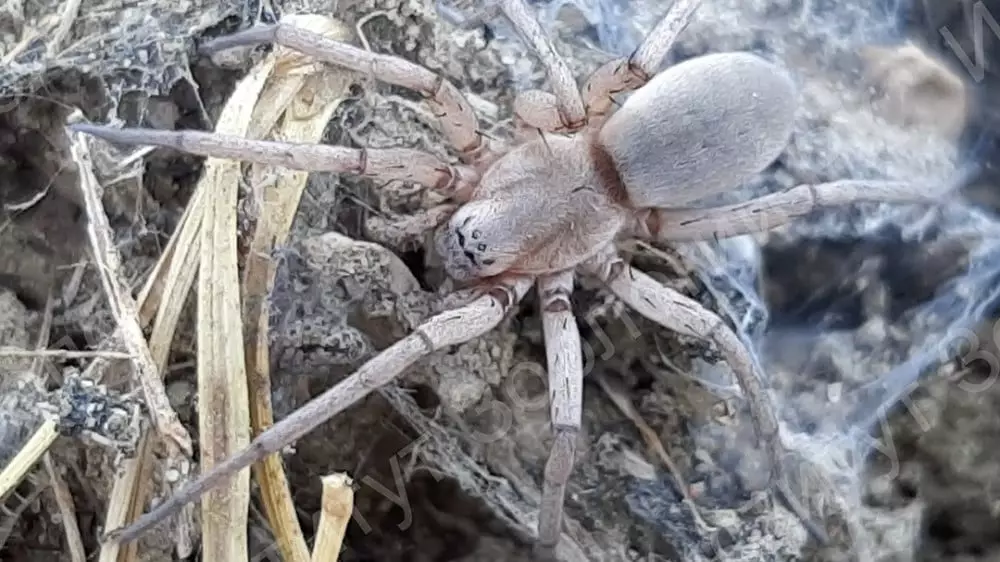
(842, 306)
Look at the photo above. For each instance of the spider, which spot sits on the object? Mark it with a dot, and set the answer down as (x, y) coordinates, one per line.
(581, 172)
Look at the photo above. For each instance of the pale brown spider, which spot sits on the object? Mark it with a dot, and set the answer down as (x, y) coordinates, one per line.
(552, 205)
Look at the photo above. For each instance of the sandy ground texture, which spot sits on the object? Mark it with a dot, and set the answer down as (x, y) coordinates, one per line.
(848, 296)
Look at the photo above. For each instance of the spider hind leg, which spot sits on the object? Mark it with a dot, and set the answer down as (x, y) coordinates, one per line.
(679, 313)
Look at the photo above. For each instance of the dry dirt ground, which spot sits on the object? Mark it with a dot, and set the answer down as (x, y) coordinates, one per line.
(840, 305)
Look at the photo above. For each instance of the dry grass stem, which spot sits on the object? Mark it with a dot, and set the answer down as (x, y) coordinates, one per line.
(62, 353)
(296, 106)
(337, 505)
(70, 11)
(67, 511)
(652, 440)
(123, 306)
(164, 294)
(161, 302)
(9, 515)
(28, 456)
(27, 37)
(64, 500)
(128, 493)
(223, 414)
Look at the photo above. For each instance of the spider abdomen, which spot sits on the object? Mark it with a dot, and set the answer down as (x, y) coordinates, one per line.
(699, 128)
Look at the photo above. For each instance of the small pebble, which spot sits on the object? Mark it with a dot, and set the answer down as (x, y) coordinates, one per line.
(172, 475)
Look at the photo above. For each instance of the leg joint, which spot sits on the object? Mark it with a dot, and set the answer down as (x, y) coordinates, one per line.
(362, 160)
(448, 182)
(634, 75)
(434, 92)
(562, 455)
(503, 295)
(556, 300)
(474, 151)
(425, 339)
(615, 269)
(814, 195)
(648, 223)
(569, 125)
(718, 327)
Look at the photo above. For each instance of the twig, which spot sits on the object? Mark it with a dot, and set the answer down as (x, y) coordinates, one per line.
(128, 494)
(225, 426)
(62, 353)
(26, 458)
(28, 35)
(72, 287)
(161, 302)
(64, 500)
(12, 515)
(296, 107)
(653, 443)
(67, 510)
(337, 505)
(123, 306)
(44, 334)
(70, 11)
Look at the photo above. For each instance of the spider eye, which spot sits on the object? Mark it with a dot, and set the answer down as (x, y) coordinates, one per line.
(480, 247)
(489, 261)
(475, 236)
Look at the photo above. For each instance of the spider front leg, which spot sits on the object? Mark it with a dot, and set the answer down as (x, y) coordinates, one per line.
(625, 75)
(676, 312)
(771, 211)
(561, 112)
(448, 328)
(457, 119)
(565, 368)
(383, 164)
(537, 112)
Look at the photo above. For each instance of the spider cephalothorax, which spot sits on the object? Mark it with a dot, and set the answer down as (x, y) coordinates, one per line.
(540, 208)
(578, 176)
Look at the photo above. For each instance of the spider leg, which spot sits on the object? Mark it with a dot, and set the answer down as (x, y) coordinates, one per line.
(565, 368)
(679, 313)
(561, 112)
(771, 211)
(408, 230)
(625, 75)
(383, 164)
(452, 109)
(448, 328)
(536, 111)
